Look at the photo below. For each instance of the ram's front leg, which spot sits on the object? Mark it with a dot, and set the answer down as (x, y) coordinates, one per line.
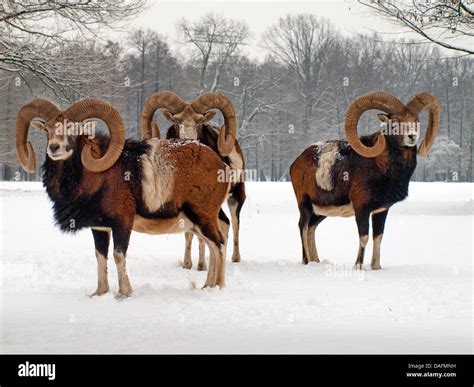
(121, 237)
(101, 241)
(202, 255)
(378, 225)
(187, 261)
(362, 216)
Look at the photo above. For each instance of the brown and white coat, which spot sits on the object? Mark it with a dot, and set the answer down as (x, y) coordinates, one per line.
(114, 186)
(192, 121)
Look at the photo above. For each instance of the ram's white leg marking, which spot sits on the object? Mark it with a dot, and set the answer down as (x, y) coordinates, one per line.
(224, 227)
(359, 265)
(202, 255)
(187, 262)
(102, 280)
(375, 264)
(235, 229)
(216, 272)
(305, 242)
(125, 288)
(312, 252)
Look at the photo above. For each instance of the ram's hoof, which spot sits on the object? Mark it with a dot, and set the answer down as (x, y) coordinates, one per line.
(99, 292)
(236, 257)
(122, 296)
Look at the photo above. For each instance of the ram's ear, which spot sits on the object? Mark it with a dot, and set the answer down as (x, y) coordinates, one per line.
(208, 116)
(383, 117)
(168, 115)
(38, 124)
(95, 145)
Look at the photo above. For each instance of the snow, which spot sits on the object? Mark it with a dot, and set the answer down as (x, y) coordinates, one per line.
(420, 302)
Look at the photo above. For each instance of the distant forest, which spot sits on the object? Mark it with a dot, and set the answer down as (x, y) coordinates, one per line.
(296, 96)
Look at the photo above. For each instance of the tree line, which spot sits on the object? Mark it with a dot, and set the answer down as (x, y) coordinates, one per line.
(295, 96)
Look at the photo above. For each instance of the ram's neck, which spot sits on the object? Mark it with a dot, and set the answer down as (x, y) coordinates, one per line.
(402, 164)
(61, 177)
(402, 161)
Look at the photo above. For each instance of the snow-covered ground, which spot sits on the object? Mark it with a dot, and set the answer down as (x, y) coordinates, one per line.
(420, 302)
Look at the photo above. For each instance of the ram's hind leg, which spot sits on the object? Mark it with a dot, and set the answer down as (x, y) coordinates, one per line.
(210, 232)
(187, 261)
(216, 272)
(202, 255)
(121, 236)
(235, 202)
(101, 241)
(224, 226)
(362, 216)
(313, 223)
(303, 224)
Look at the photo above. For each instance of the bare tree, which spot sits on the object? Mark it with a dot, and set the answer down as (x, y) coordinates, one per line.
(149, 65)
(445, 23)
(29, 46)
(302, 43)
(311, 76)
(216, 39)
(141, 40)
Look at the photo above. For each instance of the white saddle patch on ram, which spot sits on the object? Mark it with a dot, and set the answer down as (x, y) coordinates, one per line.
(177, 224)
(327, 157)
(157, 175)
(345, 211)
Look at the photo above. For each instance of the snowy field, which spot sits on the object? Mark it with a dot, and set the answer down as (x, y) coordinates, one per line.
(420, 302)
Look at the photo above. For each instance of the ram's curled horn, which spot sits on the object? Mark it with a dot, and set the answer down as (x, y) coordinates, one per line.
(96, 108)
(36, 108)
(228, 131)
(422, 101)
(162, 99)
(372, 100)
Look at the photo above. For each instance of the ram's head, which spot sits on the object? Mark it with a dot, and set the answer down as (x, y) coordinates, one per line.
(400, 121)
(44, 115)
(188, 118)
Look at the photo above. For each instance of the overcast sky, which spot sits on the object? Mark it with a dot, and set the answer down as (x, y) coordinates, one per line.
(348, 16)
